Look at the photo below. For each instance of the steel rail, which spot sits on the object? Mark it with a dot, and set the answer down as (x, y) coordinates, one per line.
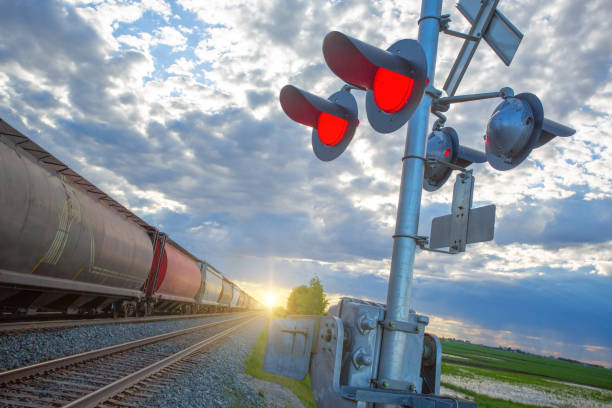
(11, 327)
(41, 368)
(97, 397)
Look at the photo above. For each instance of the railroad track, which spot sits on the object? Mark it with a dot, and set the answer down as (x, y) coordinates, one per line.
(26, 326)
(112, 376)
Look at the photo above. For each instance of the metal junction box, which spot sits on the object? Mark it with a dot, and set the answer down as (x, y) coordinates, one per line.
(289, 345)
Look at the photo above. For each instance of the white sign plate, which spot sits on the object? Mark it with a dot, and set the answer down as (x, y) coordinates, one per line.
(480, 227)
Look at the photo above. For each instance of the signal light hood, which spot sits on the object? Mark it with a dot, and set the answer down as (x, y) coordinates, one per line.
(357, 62)
(305, 108)
(551, 129)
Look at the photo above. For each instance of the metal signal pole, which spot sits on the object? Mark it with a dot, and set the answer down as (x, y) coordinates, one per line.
(400, 355)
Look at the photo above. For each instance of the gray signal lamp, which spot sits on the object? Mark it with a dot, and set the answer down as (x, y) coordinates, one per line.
(395, 79)
(516, 127)
(444, 153)
(333, 120)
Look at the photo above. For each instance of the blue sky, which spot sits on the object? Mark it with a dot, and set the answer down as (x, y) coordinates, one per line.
(172, 108)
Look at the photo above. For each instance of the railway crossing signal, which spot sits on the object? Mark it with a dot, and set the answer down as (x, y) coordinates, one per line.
(395, 79)
(516, 127)
(389, 358)
(444, 153)
(333, 121)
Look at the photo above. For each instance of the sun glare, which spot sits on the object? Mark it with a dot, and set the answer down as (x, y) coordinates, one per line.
(271, 300)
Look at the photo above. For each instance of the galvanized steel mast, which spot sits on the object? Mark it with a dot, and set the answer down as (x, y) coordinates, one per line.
(397, 353)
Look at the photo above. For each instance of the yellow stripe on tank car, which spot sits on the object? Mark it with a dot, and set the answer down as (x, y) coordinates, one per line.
(113, 274)
(36, 266)
(92, 247)
(61, 236)
(77, 274)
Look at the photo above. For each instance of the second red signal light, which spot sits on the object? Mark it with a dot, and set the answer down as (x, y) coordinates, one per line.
(333, 120)
(331, 128)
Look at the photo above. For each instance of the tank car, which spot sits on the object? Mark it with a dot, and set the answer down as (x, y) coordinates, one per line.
(61, 246)
(208, 297)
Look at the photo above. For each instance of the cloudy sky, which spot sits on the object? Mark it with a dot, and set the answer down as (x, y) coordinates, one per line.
(172, 108)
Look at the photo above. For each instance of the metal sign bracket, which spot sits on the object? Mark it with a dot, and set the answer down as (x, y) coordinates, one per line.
(444, 23)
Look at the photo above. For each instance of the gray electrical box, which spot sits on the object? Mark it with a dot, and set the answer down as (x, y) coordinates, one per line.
(290, 342)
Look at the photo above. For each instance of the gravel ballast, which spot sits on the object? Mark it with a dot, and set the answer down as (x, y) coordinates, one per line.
(22, 349)
(218, 379)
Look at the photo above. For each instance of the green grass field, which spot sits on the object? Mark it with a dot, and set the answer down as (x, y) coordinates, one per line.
(484, 401)
(510, 362)
(543, 374)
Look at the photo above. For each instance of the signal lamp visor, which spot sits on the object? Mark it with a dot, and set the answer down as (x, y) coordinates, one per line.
(331, 129)
(391, 90)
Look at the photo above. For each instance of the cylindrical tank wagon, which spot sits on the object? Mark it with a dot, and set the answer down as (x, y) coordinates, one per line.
(67, 246)
(175, 281)
(208, 297)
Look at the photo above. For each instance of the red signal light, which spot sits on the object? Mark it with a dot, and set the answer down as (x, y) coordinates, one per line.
(391, 90)
(331, 128)
(447, 152)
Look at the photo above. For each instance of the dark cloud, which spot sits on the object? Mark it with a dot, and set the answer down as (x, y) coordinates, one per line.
(46, 37)
(257, 99)
(553, 223)
(552, 307)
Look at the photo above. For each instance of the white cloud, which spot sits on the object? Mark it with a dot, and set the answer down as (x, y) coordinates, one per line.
(182, 66)
(171, 36)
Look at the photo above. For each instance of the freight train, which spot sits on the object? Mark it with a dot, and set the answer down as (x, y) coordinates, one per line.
(66, 246)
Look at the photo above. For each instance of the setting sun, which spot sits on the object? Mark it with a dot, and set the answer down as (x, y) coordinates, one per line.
(271, 300)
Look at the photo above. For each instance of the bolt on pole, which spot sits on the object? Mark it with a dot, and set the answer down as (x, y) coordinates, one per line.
(397, 354)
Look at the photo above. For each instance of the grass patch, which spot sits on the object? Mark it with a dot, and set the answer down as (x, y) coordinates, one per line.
(254, 366)
(484, 401)
(453, 368)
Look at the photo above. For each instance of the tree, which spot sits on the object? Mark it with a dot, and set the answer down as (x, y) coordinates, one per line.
(308, 300)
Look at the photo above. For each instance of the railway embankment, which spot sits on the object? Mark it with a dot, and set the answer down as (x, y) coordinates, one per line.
(20, 349)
